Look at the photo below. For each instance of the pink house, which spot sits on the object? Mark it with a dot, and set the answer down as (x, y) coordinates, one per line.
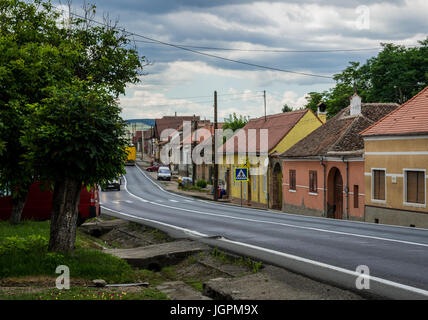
(323, 174)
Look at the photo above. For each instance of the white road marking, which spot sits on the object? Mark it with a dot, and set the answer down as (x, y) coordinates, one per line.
(172, 200)
(285, 224)
(276, 212)
(286, 255)
(282, 224)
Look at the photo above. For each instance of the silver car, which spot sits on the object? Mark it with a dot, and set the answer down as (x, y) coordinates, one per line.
(164, 174)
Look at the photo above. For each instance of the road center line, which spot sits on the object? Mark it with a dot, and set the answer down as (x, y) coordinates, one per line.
(282, 254)
(279, 223)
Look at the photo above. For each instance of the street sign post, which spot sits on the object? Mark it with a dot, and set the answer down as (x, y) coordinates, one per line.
(241, 174)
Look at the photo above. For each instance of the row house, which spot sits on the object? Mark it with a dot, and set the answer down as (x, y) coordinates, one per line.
(323, 174)
(163, 128)
(396, 165)
(263, 189)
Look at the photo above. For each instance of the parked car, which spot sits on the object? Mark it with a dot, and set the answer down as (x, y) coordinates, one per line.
(164, 173)
(153, 168)
(112, 184)
(39, 204)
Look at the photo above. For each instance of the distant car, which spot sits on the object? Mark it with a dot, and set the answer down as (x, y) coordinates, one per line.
(112, 184)
(153, 168)
(164, 174)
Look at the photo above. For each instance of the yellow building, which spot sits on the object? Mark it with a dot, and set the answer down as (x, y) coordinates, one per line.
(396, 165)
(258, 144)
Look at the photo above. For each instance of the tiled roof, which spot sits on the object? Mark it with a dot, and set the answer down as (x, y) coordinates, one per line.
(340, 134)
(278, 125)
(410, 118)
(171, 122)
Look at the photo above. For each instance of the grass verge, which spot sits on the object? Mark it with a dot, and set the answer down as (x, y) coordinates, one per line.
(23, 252)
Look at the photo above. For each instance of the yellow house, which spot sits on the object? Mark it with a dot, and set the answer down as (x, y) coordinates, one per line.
(258, 145)
(396, 165)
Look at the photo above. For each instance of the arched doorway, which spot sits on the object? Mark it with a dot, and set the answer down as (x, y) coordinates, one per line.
(277, 187)
(335, 194)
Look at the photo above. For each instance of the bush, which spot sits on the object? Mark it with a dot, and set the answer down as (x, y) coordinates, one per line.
(201, 183)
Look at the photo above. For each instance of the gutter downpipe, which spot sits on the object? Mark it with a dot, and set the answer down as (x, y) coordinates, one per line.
(347, 187)
(324, 187)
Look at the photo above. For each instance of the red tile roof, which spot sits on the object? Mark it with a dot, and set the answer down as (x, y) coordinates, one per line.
(278, 125)
(410, 118)
(340, 134)
(171, 122)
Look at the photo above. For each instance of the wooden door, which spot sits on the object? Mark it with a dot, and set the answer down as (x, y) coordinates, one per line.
(338, 195)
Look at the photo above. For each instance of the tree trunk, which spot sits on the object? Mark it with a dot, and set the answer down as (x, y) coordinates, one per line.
(64, 215)
(18, 206)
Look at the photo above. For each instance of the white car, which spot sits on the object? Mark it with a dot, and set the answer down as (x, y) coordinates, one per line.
(164, 173)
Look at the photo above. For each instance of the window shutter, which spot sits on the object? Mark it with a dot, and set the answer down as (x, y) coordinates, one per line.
(421, 187)
(378, 184)
(356, 196)
(412, 186)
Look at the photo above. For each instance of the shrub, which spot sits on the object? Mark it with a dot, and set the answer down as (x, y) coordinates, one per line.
(201, 183)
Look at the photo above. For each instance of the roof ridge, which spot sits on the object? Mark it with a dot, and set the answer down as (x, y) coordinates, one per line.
(280, 114)
(395, 110)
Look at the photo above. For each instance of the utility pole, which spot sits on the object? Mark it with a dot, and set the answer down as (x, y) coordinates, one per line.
(215, 180)
(264, 99)
(195, 128)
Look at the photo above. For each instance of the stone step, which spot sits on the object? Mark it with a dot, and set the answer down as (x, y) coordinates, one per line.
(178, 290)
(155, 257)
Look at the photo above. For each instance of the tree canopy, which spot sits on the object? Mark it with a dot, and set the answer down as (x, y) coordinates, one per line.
(395, 75)
(235, 122)
(61, 123)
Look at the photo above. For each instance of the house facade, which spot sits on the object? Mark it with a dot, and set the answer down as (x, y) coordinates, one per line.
(396, 165)
(323, 174)
(263, 188)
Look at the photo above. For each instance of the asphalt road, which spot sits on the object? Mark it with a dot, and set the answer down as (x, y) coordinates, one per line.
(325, 249)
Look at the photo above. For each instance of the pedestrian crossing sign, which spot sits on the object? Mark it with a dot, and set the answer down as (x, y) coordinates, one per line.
(241, 174)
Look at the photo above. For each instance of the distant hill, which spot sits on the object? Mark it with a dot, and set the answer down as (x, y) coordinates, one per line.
(149, 122)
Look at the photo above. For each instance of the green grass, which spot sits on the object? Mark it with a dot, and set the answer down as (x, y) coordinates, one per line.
(221, 256)
(23, 252)
(83, 293)
(24, 228)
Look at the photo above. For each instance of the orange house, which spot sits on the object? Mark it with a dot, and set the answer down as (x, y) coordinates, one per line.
(323, 174)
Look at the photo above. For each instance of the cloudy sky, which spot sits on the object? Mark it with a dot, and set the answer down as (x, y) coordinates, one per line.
(182, 81)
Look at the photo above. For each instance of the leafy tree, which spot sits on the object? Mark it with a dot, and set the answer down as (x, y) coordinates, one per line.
(234, 122)
(286, 108)
(313, 99)
(72, 133)
(26, 32)
(395, 75)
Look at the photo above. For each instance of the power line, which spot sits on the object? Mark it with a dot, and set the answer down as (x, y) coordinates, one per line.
(224, 94)
(203, 53)
(265, 50)
(207, 101)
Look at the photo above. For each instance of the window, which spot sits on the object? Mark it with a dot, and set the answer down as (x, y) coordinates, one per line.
(312, 181)
(415, 186)
(292, 179)
(355, 196)
(378, 177)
